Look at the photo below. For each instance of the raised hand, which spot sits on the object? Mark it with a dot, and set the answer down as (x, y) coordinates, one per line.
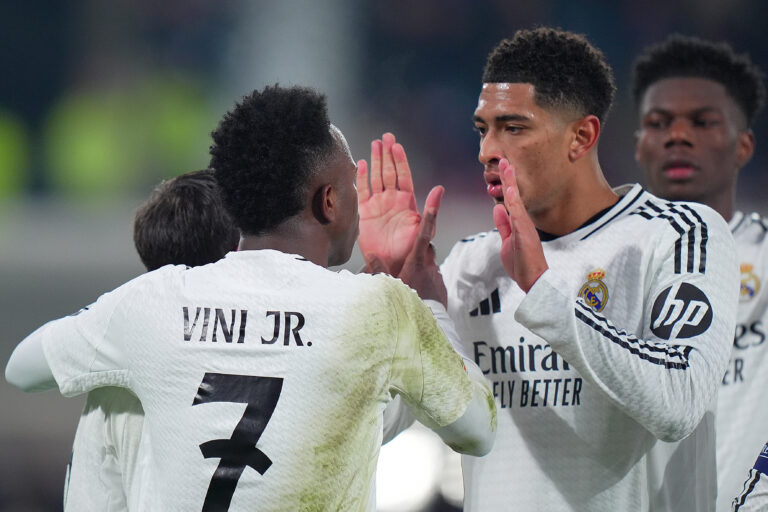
(521, 252)
(389, 218)
(420, 270)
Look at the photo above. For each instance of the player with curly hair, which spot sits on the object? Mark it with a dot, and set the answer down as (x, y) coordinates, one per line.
(697, 101)
(264, 376)
(597, 314)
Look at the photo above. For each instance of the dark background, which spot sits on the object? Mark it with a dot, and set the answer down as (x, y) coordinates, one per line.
(101, 100)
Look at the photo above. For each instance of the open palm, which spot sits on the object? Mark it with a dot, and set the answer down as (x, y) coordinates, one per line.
(389, 218)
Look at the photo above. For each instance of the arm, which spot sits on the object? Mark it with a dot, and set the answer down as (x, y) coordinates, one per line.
(754, 496)
(444, 392)
(666, 376)
(27, 368)
(389, 218)
(71, 352)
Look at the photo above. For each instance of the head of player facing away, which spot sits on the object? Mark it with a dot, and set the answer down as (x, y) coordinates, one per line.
(696, 102)
(183, 222)
(545, 94)
(287, 176)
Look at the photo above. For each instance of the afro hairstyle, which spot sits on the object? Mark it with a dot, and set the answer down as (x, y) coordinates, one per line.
(691, 57)
(264, 152)
(565, 70)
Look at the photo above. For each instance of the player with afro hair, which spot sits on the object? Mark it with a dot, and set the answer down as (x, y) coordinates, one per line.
(272, 140)
(685, 56)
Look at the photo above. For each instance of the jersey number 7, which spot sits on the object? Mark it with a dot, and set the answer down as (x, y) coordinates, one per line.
(261, 395)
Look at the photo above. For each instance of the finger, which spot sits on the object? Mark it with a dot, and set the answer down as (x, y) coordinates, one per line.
(423, 249)
(433, 199)
(428, 224)
(389, 172)
(376, 183)
(501, 219)
(512, 199)
(363, 189)
(404, 178)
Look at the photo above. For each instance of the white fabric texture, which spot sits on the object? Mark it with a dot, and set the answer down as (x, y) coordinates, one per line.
(267, 349)
(620, 344)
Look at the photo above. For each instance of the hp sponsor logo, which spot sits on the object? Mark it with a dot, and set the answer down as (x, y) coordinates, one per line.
(680, 311)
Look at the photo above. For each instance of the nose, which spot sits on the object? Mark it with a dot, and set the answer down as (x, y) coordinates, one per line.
(679, 133)
(490, 150)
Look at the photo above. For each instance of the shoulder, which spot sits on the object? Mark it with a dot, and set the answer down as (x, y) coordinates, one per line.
(750, 229)
(473, 250)
(674, 223)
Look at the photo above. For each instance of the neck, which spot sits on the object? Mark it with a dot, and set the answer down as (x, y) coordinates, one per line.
(723, 204)
(586, 195)
(293, 237)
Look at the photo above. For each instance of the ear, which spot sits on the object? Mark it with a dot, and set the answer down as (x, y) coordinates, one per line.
(324, 202)
(584, 135)
(746, 148)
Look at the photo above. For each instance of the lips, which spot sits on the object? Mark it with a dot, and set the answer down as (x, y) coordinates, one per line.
(494, 187)
(679, 169)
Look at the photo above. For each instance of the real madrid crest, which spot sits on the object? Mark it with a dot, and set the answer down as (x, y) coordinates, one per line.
(594, 292)
(750, 284)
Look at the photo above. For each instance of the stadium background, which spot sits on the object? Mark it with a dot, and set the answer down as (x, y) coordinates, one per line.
(101, 100)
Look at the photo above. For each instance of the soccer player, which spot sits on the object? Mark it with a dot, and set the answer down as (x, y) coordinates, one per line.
(183, 222)
(754, 494)
(264, 375)
(601, 317)
(697, 101)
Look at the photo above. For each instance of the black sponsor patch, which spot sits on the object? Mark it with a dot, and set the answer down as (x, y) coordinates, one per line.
(681, 311)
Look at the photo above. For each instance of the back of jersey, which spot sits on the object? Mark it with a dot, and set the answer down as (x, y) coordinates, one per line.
(267, 387)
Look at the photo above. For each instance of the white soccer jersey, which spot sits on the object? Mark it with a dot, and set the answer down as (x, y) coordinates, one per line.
(263, 377)
(741, 412)
(754, 493)
(621, 342)
(105, 453)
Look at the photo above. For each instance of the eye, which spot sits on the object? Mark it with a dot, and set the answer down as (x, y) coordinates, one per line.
(480, 130)
(705, 122)
(513, 129)
(655, 122)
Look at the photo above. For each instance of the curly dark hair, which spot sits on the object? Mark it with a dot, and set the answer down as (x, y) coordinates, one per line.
(264, 151)
(184, 223)
(684, 57)
(564, 68)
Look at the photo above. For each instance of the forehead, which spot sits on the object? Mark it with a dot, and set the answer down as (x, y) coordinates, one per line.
(681, 94)
(498, 99)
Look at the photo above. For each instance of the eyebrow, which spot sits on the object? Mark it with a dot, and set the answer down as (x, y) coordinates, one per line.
(663, 111)
(502, 118)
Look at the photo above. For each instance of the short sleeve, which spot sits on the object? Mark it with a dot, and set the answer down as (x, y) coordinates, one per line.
(80, 350)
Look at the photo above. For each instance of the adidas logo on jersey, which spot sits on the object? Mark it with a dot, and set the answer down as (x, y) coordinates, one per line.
(488, 306)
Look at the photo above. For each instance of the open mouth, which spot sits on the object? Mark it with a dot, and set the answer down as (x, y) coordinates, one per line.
(494, 188)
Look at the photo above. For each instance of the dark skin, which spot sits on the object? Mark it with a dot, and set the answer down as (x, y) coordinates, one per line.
(692, 141)
(324, 232)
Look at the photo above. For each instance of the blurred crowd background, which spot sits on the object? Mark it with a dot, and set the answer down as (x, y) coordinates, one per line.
(99, 101)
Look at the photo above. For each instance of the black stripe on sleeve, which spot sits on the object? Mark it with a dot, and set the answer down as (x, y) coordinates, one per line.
(749, 486)
(679, 217)
(632, 344)
(704, 238)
